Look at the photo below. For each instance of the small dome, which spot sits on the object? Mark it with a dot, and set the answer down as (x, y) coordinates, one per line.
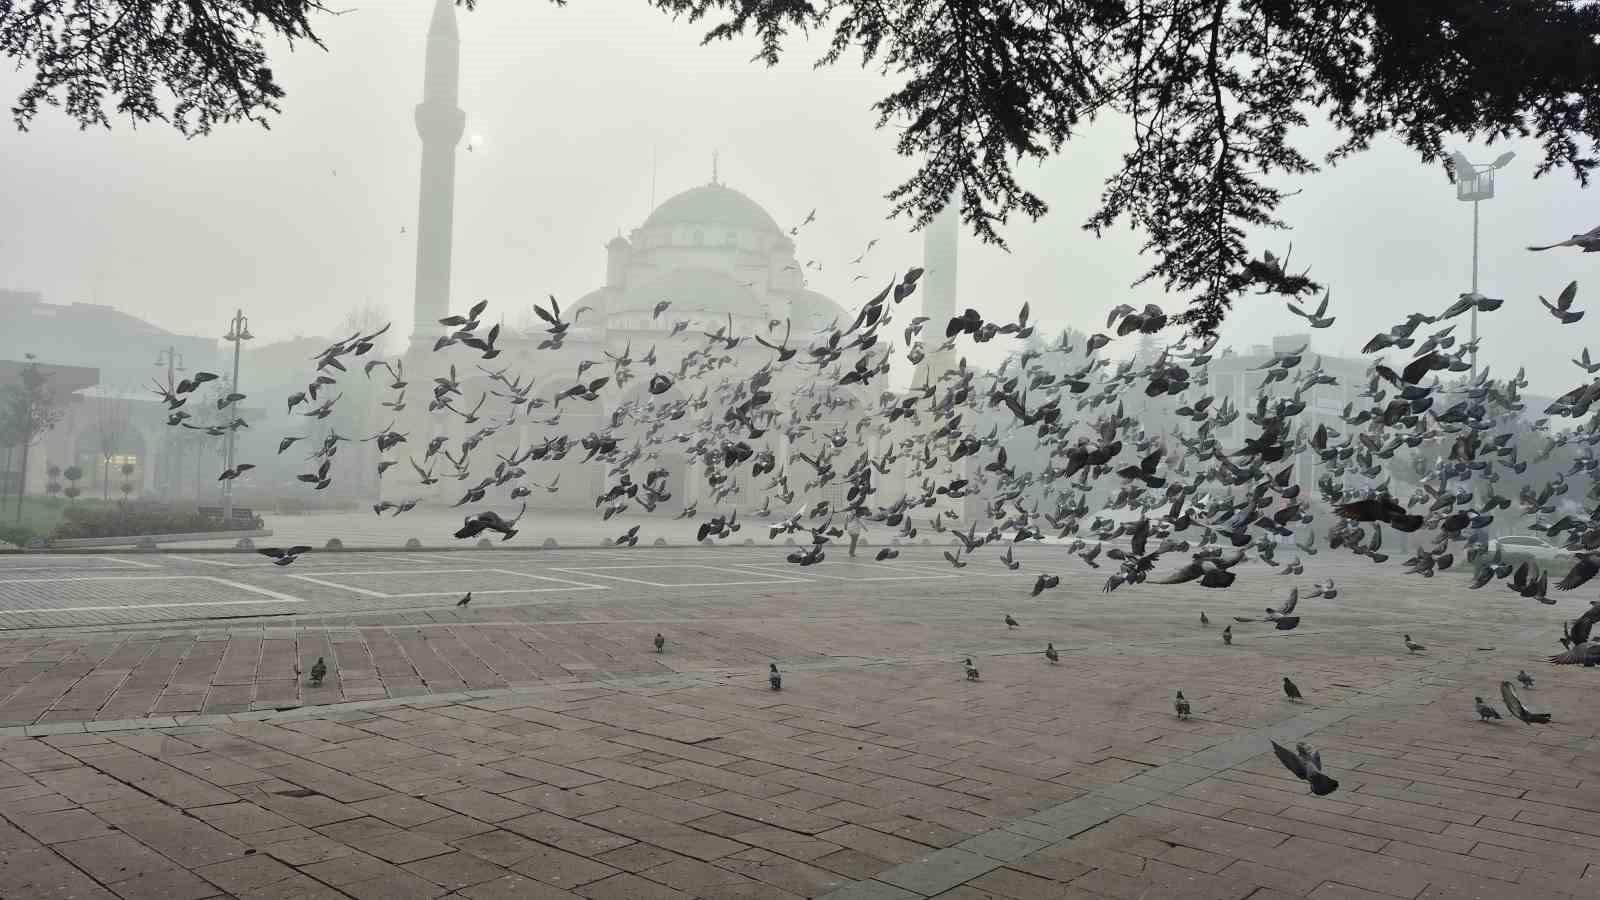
(692, 290)
(812, 309)
(712, 204)
(618, 243)
(600, 302)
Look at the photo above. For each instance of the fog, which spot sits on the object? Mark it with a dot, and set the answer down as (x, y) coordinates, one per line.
(582, 114)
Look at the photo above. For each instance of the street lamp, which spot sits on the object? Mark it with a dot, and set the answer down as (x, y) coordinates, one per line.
(238, 333)
(1476, 183)
(173, 360)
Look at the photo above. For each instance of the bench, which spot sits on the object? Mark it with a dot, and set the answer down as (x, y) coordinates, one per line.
(240, 513)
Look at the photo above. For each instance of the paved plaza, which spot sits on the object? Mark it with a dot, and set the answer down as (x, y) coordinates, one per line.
(159, 736)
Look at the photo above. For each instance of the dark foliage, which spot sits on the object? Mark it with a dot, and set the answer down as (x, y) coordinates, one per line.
(1212, 92)
(192, 63)
(126, 519)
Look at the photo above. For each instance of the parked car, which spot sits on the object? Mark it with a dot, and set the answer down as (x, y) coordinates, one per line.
(1531, 544)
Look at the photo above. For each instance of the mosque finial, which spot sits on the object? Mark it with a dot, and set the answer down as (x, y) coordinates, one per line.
(714, 168)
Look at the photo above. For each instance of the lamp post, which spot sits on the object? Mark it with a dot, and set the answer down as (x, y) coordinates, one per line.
(1476, 183)
(173, 360)
(166, 471)
(238, 333)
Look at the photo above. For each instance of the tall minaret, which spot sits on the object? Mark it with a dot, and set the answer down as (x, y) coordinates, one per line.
(939, 241)
(439, 124)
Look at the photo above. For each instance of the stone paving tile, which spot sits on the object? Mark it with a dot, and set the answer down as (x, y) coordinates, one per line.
(877, 772)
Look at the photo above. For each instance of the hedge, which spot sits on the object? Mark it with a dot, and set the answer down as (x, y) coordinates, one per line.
(135, 518)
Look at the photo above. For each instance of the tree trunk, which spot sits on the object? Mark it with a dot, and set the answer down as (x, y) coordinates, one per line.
(5, 483)
(22, 476)
(105, 479)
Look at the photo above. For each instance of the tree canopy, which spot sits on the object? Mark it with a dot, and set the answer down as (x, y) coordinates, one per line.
(29, 408)
(1211, 91)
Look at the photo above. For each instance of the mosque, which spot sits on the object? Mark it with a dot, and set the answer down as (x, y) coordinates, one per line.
(720, 260)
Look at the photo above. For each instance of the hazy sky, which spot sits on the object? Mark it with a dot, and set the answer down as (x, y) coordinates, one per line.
(302, 222)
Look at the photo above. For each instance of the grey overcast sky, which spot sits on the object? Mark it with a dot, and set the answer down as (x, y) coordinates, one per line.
(300, 223)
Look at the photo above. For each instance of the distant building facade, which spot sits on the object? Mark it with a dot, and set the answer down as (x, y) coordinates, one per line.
(56, 446)
(116, 416)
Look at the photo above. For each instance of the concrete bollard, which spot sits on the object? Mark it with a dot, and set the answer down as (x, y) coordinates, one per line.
(549, 544)
(485, 544)
(243, 543)
(659, 542)
(333, 544)
(413, 544)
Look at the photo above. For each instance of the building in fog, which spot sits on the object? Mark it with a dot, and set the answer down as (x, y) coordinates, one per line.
(720, 262)
(116, 418)
(58, 445)
(1233, 376)
(123, 347)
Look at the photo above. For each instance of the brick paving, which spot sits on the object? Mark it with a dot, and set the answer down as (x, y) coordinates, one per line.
(536, 747)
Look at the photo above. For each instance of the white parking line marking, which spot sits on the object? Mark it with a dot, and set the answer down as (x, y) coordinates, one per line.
(478, 593)
(129, 562)
(98, 578)
(236, 585)
(239, 585)
(969, 570)
(337, 586)
(69, 563)
(596, 573)
(911, 575)
(566, 584)
(343, 572)
(211, 562)
(548, 578)
(68, 609)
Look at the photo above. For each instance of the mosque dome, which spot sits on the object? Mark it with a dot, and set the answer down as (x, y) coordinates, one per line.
(812, 310)
(692, 290)
(712, 204)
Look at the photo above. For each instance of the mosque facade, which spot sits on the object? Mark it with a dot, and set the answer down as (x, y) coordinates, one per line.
(721, 264)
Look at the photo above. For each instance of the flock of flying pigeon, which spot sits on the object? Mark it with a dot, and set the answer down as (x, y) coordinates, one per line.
(1252, 508)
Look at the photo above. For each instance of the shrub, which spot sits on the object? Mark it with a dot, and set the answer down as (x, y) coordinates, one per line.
(134, 518)
(18, 535)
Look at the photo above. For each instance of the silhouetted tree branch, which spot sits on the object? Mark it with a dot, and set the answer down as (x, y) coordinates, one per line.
(1211, 90)
(194, 64)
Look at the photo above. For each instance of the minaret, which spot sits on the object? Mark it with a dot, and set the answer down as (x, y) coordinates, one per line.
(939, 241)
(440, 124)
